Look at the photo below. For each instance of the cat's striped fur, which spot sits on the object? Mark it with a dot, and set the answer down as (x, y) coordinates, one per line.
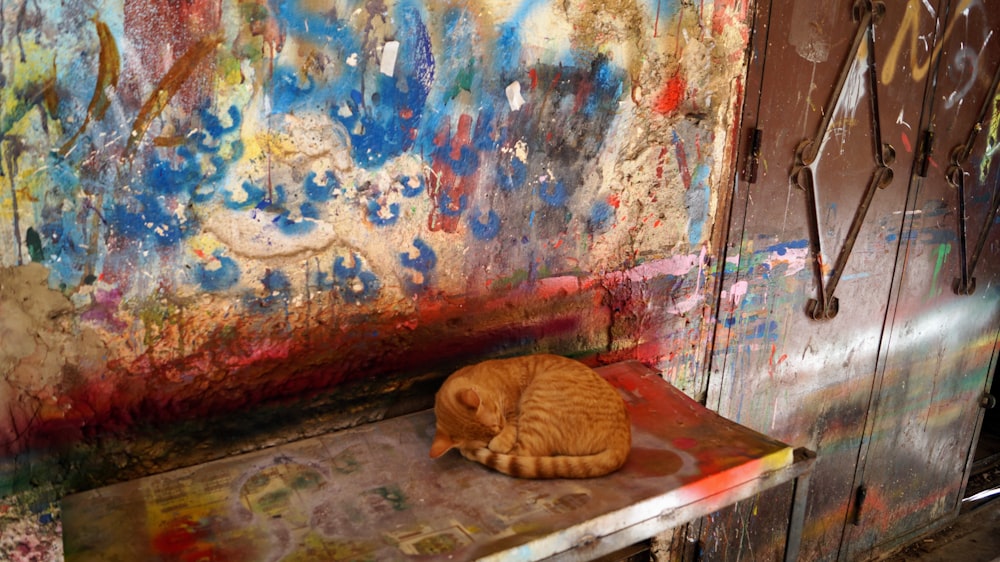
(536, 416)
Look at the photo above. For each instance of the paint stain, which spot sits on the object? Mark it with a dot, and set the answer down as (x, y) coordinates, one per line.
(108, 71)
(671, 96)
(942, 253)
(171, 83)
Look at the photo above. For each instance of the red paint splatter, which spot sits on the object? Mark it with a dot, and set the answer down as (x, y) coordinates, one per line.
(671, 96)
(906, 142)
(684, 443)
(161, 31)
(583, 91)
(730, 13)
(534, 78)
(448, 189)
(614, 200)
(182, 539)
(660, 160)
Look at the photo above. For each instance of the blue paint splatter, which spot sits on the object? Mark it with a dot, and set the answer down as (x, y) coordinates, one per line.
(254, 196)
(513, 175)
(375, 218)
(484, 230)
(288, 89)
(149, 221)
(410, 190)
(213, 126)
(782, 248)
(218, 278)
(602, 215)
(696, 199)
(293, 227)
(355, 284)
(553, 193)
(162, 177)
(447, 204)
(330, 189)
(425, 261)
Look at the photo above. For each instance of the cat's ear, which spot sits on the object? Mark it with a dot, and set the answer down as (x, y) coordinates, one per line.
(442, 444)
(488, 417)
(469, 398)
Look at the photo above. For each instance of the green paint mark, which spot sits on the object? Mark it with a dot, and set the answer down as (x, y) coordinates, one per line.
(34, 242)
(463, 81)
(943, 251)
(394, 496)
(346, 463)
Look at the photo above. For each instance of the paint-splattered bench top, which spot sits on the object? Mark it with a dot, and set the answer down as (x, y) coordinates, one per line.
(372, 493)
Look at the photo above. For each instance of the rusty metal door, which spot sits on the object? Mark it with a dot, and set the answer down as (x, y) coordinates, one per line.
(938, 348)
(811, 254)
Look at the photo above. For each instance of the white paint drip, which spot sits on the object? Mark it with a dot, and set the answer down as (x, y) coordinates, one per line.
(901, 121)
(738, 291)
(514, 95)
(389, 53)
(930, 9)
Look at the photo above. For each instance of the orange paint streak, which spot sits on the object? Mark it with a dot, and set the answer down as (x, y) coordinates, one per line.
(108, 71)
(170, 84)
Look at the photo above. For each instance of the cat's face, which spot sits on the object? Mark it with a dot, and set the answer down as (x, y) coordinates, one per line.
(465, 418)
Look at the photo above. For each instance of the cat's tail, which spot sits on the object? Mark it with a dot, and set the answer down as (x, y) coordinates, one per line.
(560, 466)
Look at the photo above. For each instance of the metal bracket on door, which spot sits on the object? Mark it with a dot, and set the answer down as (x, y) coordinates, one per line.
(966, 283)
(825, 306)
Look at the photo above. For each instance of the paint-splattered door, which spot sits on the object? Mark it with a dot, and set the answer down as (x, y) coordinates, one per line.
(814, 234)
(939, 345)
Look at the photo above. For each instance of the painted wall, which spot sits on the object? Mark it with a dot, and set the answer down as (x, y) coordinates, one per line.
(210, 205)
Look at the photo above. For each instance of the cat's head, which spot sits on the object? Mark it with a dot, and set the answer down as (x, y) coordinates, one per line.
(466, 417)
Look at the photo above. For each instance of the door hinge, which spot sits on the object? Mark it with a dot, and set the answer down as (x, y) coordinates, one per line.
(753, 156)
(988, 401)
(859, 501)
(924, 153)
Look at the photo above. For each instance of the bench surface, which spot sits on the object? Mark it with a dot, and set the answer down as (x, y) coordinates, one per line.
(372, 493)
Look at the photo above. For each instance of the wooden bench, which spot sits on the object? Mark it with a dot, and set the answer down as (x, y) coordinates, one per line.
(372, 493)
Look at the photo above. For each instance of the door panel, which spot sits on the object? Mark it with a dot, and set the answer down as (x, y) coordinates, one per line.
(939, 346)
(803, 380)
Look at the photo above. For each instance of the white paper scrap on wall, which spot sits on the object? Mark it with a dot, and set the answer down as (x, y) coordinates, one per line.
(389, 52)
(514, 96)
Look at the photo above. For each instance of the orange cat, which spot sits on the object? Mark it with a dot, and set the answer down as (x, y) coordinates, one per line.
(537, 416)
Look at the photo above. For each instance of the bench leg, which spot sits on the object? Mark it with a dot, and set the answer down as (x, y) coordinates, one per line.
(796, 519)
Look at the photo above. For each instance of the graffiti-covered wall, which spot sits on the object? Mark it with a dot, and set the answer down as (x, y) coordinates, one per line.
(208, 205)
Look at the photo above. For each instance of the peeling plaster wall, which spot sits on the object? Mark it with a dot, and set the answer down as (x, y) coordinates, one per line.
(207, 206)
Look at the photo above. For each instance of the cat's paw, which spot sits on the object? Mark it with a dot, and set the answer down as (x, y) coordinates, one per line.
(500, 445)
(504, 441)
(471, 453)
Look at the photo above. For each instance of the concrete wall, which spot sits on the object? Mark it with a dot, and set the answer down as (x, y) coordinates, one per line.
(207, 206)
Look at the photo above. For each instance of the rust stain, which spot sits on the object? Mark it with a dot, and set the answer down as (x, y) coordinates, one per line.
(172, 81)
(108, 70)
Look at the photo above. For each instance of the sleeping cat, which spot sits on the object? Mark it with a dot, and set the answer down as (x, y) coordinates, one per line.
(537, 416)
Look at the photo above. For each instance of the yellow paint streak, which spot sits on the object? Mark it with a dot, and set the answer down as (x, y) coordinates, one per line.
(909, 28)
(992, 142)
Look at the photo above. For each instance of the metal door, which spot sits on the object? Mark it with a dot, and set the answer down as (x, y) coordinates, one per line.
(938, 349)
(802, 310)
